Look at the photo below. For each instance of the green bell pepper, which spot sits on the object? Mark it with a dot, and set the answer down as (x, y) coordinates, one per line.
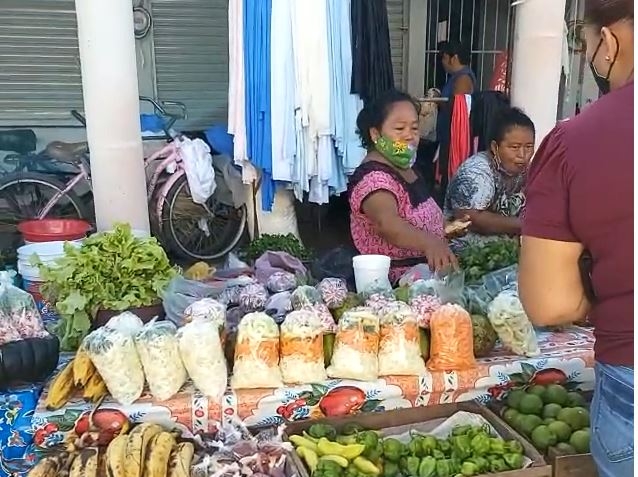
(481, 462)
(461, 430)
(391, 469)
(411, 466)
(514, 447)
(438, 455)
(469, 469)
(497, 446)
(351, 428)
(370, 439)
(323, 430)
(480, 444)
(414, 446)
(443, 468)
(427, 467)
(498, 465)
(428, 445)
(513, 461)
(444, 446)
(461, 446)
(393, 449)
(327, 468)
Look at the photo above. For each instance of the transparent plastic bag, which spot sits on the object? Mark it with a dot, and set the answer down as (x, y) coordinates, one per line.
(379, 302)
(334, 292)
(158, 348)
(257, 353)
(180, 293)
(253, 297)
(206, 309)
(478, 296)
(417, 273)
(302, 349)
(116, 359)
(423, 306)
(452, 340)
(278, 306)
(18, 308)
(305, 295)
(128, 323)
(356, 346)
(203, 356)
(281, 281)
(399, 344)
(508, 318)
(328, 324)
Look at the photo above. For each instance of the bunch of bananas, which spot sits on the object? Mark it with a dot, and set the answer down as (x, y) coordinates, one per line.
(147, 451)
(78, 373)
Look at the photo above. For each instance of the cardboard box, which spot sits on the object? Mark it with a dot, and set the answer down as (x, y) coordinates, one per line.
(396, 422)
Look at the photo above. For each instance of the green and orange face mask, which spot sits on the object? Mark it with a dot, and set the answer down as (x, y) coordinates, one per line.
(400, 154)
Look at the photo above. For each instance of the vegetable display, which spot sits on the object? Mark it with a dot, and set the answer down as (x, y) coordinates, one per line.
(111, 271)
(356, 452)
(277, 243)
(480, 259)
(509, 320)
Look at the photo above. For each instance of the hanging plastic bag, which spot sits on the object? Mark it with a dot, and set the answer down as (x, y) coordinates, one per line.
(198, 165)
(257, 353)
(356, 346)
(158, 348)
(305, 295)
(334, 292)
(399, 345)
(201, 350)
(302, 349)
(452, 339)
(508, 318)
(18, 309)
(115, 357)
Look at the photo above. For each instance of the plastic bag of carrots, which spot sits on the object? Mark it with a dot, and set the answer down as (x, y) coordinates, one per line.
(301, 348)
(399, 346)
(356, 346)
(451, 339)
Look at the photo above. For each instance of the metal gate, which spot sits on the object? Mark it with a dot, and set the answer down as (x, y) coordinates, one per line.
(485, 26)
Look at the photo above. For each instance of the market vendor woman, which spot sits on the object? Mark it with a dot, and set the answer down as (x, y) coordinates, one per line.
(391, 210)
(488, 187)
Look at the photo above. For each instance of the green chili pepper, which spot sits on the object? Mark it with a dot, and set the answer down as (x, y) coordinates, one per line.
(411, 466)
(514, 447)
(481, 462)
(393, 449)
(444, 446)
(427, 467)
(443, 468)
(461, 430)
(469, 469)
(351, 428)
(390, 469)
(480, 444)
(428, 445)
(498, 465)
(375, 453)
(497, 446)
(327, 468)
(438, 455)
(322, 430)
(461, 446)
(414, 446)
(370, 439)
(513, 461)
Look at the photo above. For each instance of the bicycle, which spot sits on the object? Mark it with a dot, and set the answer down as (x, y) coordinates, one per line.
(203, 232)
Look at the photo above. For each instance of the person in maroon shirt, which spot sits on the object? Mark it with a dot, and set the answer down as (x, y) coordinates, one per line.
(577, 245)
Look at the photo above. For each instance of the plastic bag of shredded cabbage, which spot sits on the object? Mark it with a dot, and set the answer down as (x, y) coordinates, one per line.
(115, 357)
(334, 292)
(511, 324)
(399, 346)
(305, 295)
(256, 353)
(128, 323)
(452, 339)
(281, 281)
(253, 297)
(206, 309)
(302, 349)
(203, 356)
(159, 352)
(379, 302)
(356, 346)
(423, 307)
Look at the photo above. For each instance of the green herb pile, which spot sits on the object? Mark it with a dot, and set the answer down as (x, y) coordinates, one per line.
(481, 259)
(111, 271)
(277, 243)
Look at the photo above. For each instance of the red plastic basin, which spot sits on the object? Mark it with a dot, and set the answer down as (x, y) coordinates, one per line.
(49, 230)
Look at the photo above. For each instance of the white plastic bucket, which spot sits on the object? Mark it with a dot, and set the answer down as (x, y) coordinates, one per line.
(371, 271)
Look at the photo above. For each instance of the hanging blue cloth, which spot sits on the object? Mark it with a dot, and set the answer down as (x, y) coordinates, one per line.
(257, 15)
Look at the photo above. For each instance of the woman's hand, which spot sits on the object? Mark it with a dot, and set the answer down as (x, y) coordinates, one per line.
(439, 255)
(458, 227)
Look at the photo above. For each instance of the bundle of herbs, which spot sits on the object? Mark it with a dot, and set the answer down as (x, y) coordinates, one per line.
(112, 270)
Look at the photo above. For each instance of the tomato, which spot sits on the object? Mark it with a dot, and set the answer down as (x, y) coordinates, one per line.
(108, 422)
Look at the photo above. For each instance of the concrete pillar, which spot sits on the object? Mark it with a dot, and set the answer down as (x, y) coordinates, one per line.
(111, 105)
(536, 62)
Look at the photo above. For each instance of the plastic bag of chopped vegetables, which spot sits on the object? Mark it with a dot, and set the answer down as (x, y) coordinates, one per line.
(356, 346)
(399, 346)
(302, 348)
(511, 324)
(452, 339)
(256, 353)
(158, 348)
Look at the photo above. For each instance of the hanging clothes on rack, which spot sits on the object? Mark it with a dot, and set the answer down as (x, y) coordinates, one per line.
(372, 60)
(257, 18)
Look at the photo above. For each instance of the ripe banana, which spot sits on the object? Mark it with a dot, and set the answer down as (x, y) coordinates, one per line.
(138, 441)
(83, 367)
(115, 456)
(95, 388)
(179, 464)
(156, 461)
(49, 466)
(86, 463)
(61, 388)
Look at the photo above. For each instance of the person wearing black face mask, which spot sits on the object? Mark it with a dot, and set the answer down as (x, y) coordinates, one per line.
(577, 247)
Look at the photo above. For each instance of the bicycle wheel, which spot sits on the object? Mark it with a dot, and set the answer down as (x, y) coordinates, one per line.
(24, 195)
(190, 231)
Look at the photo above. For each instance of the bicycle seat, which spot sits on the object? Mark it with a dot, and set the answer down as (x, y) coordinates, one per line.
(21, 141)
(66, 151)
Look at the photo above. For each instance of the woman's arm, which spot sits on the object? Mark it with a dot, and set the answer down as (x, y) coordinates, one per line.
(550, 284)
(489, 223)
(381, 209)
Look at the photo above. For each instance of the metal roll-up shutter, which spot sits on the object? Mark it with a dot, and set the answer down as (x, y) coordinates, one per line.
(40, 78)
(191, 57)
(398, 36)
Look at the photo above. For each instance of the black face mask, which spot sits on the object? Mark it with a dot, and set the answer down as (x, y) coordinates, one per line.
(603, 81)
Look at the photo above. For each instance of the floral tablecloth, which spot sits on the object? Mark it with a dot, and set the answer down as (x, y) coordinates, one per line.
(566, 357)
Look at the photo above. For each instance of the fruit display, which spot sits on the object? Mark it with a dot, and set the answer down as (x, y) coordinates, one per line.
(550, 416)
(357, 452)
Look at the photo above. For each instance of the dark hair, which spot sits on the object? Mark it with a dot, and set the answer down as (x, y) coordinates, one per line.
(452, 48)
(504, 120)
(606, 12)
(375, 112)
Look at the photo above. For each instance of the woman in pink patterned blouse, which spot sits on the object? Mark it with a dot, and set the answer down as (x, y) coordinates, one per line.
(391, 210)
